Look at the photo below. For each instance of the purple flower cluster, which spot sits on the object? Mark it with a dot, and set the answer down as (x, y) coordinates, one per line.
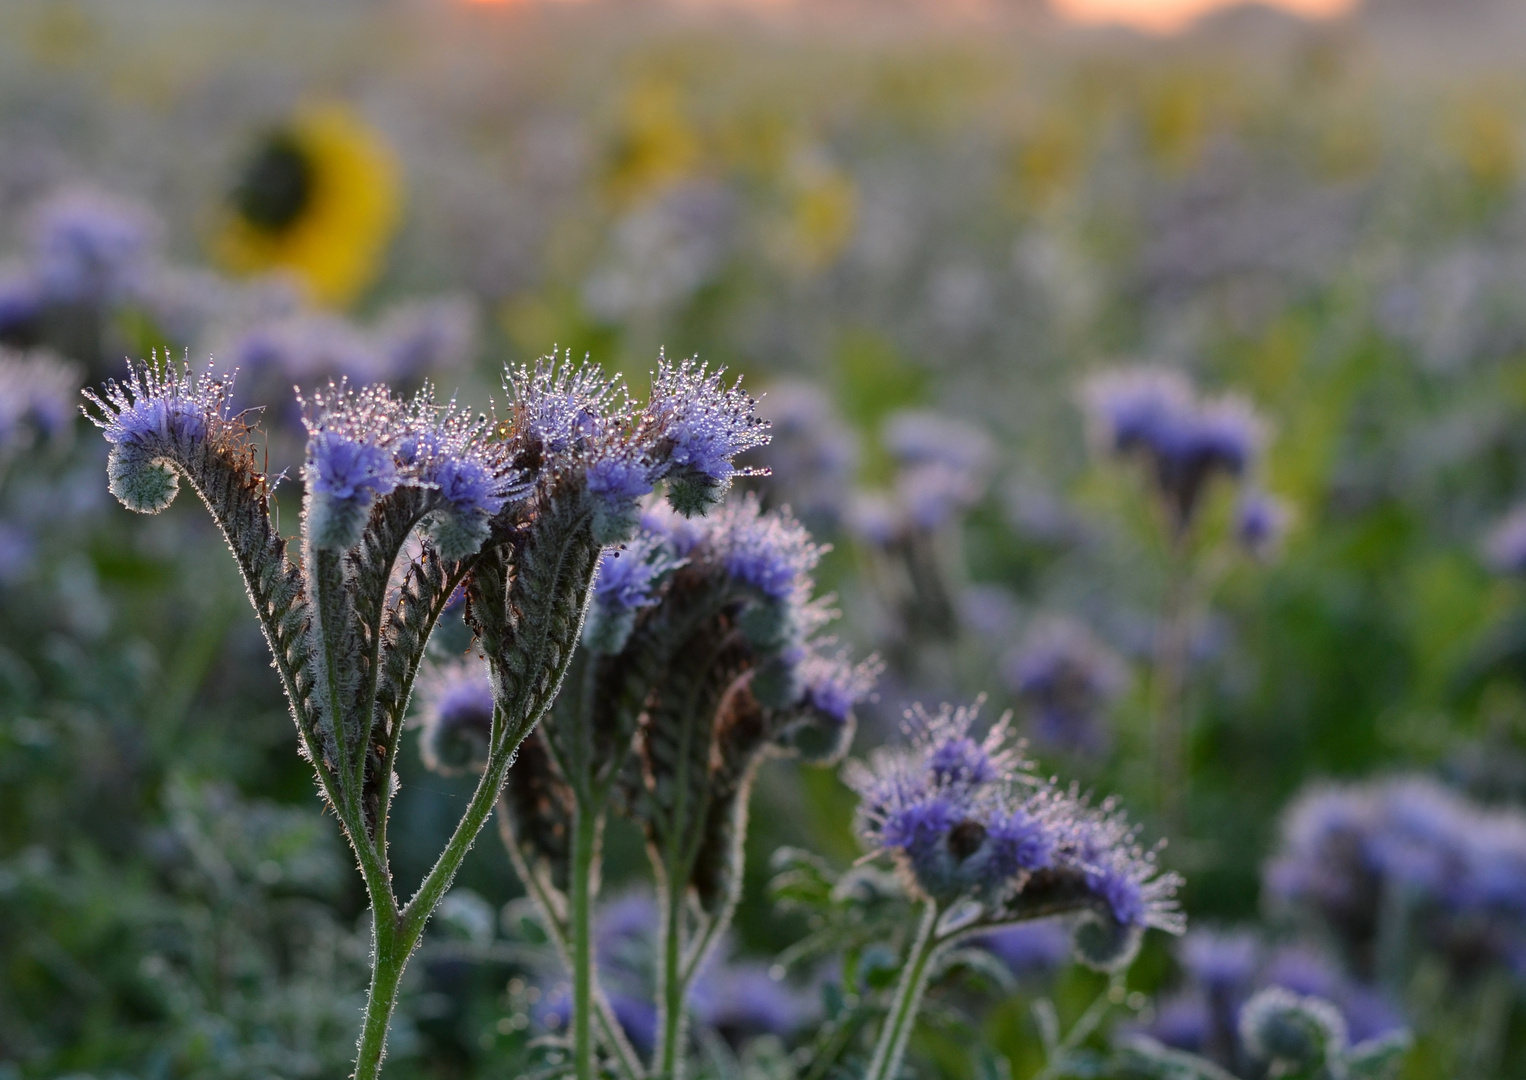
(966, 819)
(87, 247)
(627, 582)
(812, 454)
(1406, 855)
(1224, 970)
(1261, 522)
(37, 398)
(1505, 546)
(1066, 678)
(364, 444)
(1155, 414)
(456, 716)
(701, 426)
(736, 998)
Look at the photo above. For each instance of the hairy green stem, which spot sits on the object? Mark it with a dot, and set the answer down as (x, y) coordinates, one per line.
(891, 1047)
(389, 956)
(667, 1059)
(1168, 683)
(585, 844)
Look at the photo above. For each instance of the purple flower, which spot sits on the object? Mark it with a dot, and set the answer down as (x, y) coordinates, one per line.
(37, 398)
(1261, 521)
(158, 413)
(968, 820)
(347, 469)
(627, 576)
(1029, 947)
(1154, 414)
(89, 247)
(456, 716)
(1505, 546)
(1067, 678)
(700, 427)
(1222, 962)
(562, 409)
(770, 552)
(833, 686)
(425, 336)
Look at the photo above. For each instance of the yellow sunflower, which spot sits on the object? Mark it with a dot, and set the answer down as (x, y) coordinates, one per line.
(319, 197)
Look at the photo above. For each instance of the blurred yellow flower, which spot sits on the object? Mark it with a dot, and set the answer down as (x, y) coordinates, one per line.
(320, 198)
(822, 214)
(654, 144)
(1485, 137)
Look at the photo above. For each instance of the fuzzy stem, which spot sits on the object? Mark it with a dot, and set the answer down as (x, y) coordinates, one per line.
(1168, 684)
(389, 956)
(585, 845)
(891, 1047)
(667, 1059)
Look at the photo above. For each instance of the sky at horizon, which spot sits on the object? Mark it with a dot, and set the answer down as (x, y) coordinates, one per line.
(1156, 16)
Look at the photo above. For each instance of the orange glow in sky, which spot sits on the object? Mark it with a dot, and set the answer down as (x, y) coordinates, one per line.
(1167, 15)
(1160, 16)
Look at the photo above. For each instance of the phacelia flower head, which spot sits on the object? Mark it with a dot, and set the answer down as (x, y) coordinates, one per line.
(967, 820)
(701, 426)
(351, 437)
(456, 716)
(1505, 546)
(1067, 678)
(771, 554)
(627, 581)
(565, 411)
(945, 465)
(159, 413)
(89, 247)
(1349, 853)
(1154, 414)
(831, 686)
(450, 452)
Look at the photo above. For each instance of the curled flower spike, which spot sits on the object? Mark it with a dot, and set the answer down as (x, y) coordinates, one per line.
(968, 821)
(702, 425)
(157, 416)
(773, 556)
(831, 687)
(616, 483)
(449, 451)
(456, 717)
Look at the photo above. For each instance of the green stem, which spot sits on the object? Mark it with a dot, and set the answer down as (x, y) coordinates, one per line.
(667, 1061)
(1168, 682)
(585, 845)
(891, 1047)
(390, 956)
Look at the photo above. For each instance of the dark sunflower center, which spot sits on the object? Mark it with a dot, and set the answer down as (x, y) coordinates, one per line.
(275, 186)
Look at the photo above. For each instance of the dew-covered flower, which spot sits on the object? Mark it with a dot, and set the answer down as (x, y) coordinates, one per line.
(771, 552)
(1154, 414)
(967, 819)
(562, 409)
(702, 425)
(456, 716)
(1505, 546)
(1067, 678)
(158, 412)
(89, 247)
(351, 460)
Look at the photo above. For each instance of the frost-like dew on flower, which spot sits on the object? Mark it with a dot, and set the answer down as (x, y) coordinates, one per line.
(625, 584)
(157, 413)
(705, 424)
